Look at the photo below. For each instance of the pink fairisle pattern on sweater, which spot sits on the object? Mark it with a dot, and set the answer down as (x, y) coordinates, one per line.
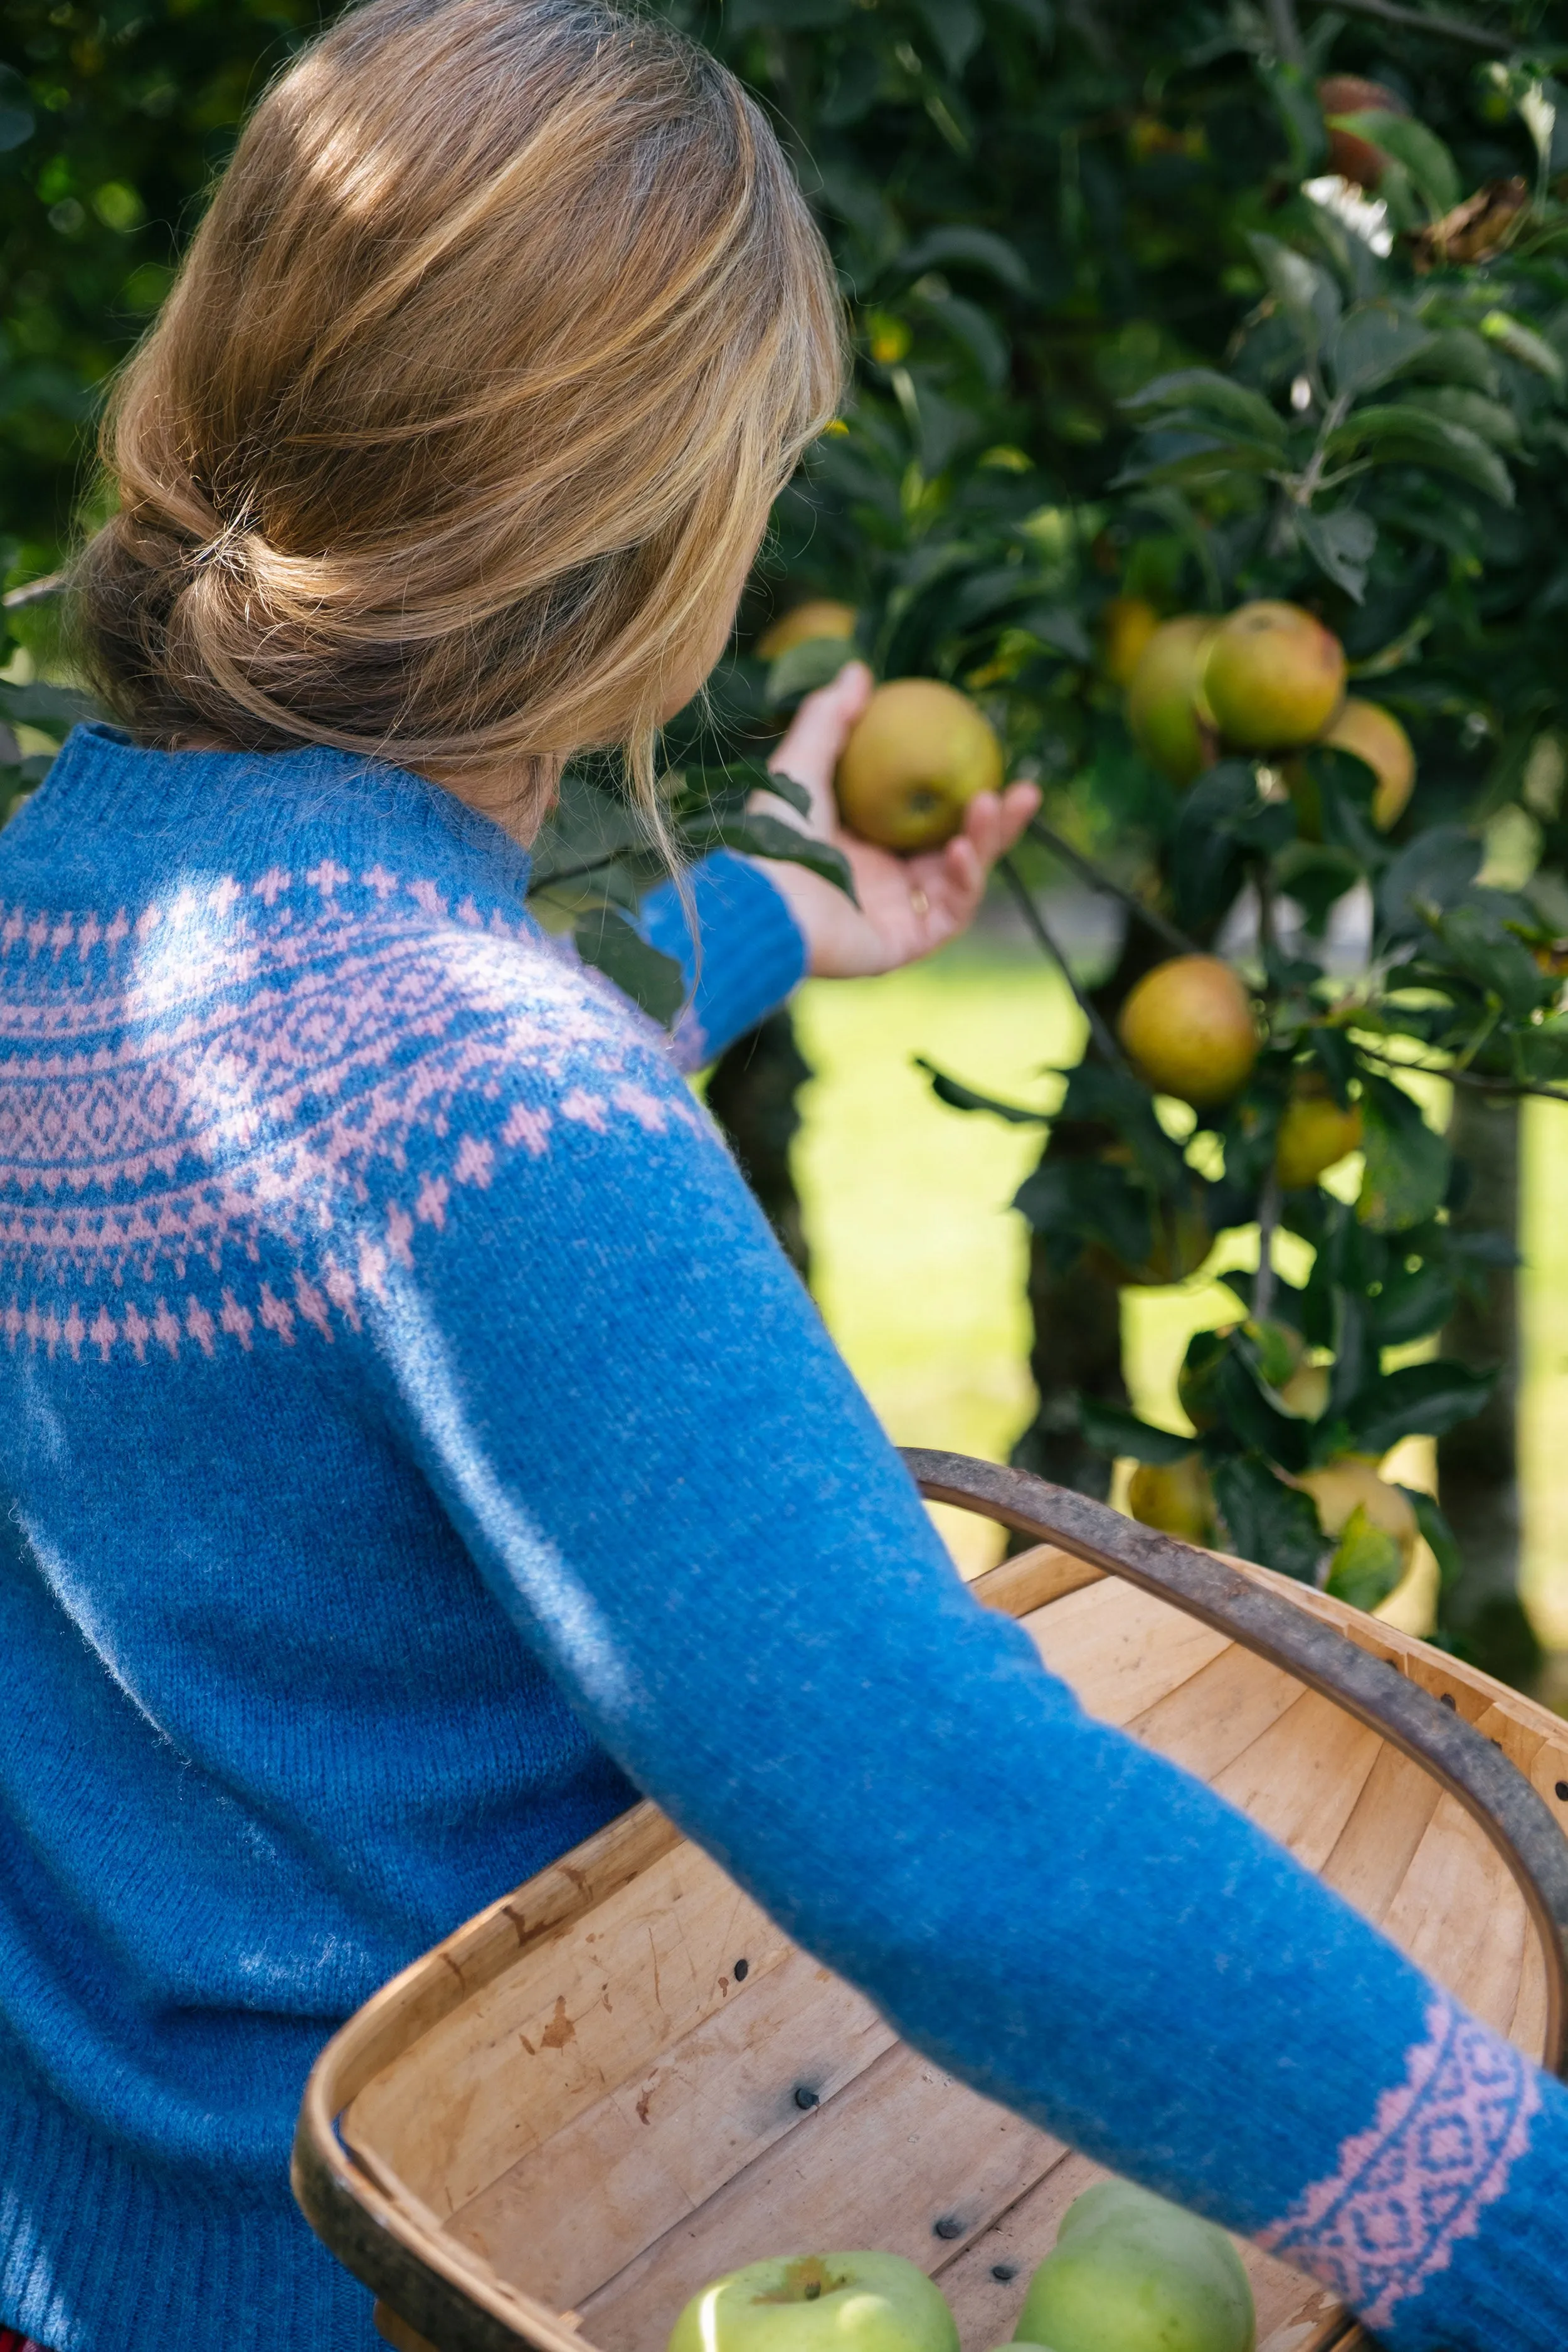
(345, 1029)
(1437, 2152)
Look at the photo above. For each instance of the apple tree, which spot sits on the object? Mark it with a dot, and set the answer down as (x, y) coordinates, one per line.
(1131, 344)
(1156, 312)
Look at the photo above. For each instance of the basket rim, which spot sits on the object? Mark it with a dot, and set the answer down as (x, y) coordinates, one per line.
(376, 2225)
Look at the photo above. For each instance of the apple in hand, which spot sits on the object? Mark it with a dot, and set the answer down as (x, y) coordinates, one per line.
(1132, 2274)
(819, 2303)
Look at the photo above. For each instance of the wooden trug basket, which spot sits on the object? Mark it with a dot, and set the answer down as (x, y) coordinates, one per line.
(623, 2081)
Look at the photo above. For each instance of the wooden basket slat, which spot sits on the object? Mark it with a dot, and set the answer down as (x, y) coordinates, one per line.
(570, 2022)
(646, 2157)
(1380, 1840)
(1214, 1718)
(1459, 1916)
(902, 2148)
(1301, 1778)
(1122, 1651)
(576, 2107)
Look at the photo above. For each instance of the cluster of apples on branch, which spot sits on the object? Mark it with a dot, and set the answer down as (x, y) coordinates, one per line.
(1274, 772)
(1267, 680)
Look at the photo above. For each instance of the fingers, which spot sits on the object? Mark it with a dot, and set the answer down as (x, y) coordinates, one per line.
(1020, 801)
(951, 881)
(993, 821)
(818, 733)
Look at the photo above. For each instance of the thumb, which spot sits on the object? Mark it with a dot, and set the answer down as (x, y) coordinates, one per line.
(820, 728)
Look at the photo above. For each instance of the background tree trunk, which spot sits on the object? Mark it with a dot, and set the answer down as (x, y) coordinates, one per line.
(1477, 1463)
(751, 1094)
(1077, 1316)
(1077, 1346)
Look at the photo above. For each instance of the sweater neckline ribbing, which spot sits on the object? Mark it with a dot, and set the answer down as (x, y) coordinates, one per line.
(257, 805)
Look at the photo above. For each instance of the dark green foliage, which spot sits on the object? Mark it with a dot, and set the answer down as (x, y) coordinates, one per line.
(130, 110)
(1105, 344)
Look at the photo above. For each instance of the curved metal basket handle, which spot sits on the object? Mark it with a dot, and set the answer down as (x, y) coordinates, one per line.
(1468, 1765)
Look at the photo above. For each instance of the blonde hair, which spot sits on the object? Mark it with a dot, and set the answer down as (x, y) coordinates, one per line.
(506, 325)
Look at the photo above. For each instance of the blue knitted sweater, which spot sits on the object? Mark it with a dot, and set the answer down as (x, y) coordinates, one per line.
(413, 1443)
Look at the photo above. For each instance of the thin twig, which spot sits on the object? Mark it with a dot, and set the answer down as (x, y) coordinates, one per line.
(35, 592)
(1037, 922)
(1474, 1080)
(1448, 28)
(1099, 879)
(1267, 1218)
(1267, 933)
(1288, 46)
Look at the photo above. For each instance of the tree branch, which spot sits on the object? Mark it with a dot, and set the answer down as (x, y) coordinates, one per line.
(1098, 879)
(1037, 922)
(1474, 1080)
(1442, 28)
(1267, 1222)
(33, 591)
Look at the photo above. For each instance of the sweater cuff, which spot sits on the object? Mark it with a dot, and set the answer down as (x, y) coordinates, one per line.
(1505, 2282)
(752, 955)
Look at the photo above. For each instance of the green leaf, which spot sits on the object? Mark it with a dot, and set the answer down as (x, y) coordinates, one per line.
(1455, 355)
(47, 706)
(1307, 295)
(1400, 433)
(1489, 419)
(1412, 1303)
(1059, 628)
(756, 835)
(606, 940)
(787, 15)
(1367, 1563)
(16, 117)
(1222, 818)
(1372, 343)
(956, 28)
(1494, 958)
(1070, 1202)
(1434, 872)
(1213, 394)
(1342, 544)
(981, 248)
(1439, 1535)
(975, 329)
(801, 669)
(1268, 1521)
(1523, 344)
(784, 788)
(1113, 1429)
(1432, 168)
(1543, 1050)
(587, 827)
(1405, 1171)
(1418, 1401)
(1291, 88)
(958, 1097)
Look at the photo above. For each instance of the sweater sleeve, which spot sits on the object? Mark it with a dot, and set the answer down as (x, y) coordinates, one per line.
(631, 1411)
(747, 955)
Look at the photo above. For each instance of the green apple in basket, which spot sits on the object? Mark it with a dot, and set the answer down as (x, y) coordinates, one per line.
(819, 2303)
(1132, 2274)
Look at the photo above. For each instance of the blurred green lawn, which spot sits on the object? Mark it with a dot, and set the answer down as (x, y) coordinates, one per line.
(919, 1261)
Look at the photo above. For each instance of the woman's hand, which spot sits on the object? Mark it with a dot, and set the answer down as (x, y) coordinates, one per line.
(908, 906)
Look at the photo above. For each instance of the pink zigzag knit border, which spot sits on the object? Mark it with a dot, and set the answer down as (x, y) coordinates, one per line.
(1406, 2191)
(219, 1074)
